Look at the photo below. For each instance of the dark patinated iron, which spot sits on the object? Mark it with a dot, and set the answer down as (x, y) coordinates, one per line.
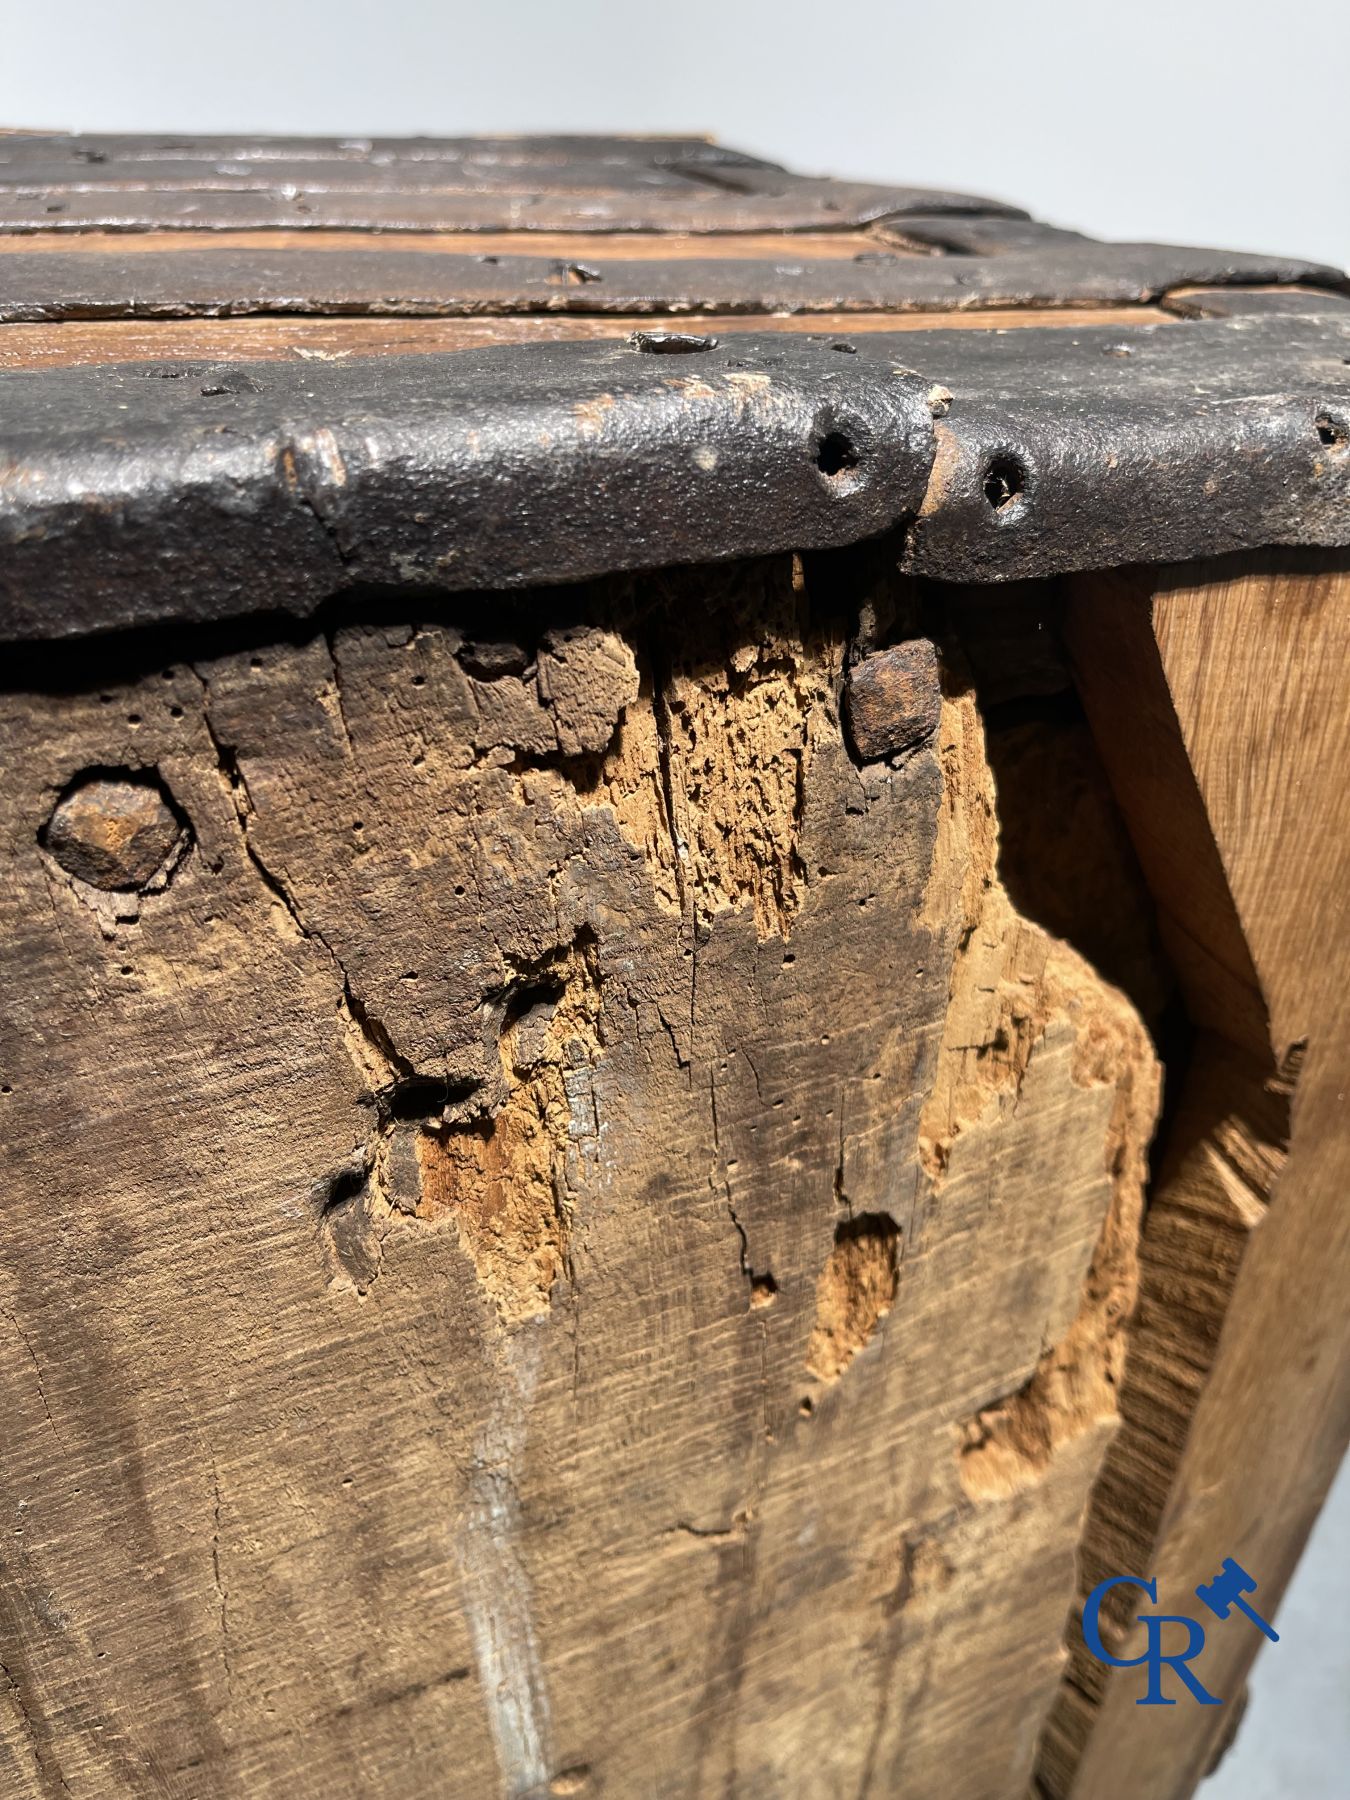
(1091, 449)
(115, 830)
(543, 462)
(1008, 454)
(136, 493)
(893, 699)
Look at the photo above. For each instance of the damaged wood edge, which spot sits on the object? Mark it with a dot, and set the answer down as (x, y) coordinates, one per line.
(1013, 983)
(1056, 453)
(1016, 1442)
(494, 1154)
(489, 1157)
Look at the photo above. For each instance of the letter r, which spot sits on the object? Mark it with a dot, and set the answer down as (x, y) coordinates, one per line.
(1195, 1643)
(1153, 1652)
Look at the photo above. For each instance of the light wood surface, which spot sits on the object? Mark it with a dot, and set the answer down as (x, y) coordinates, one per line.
(1237, 1394)
(568, 246)
(82, 342)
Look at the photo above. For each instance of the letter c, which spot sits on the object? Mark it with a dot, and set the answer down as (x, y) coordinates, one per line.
(1092, 1635)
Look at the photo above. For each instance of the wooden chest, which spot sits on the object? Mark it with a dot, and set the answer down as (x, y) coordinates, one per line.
(674, 973)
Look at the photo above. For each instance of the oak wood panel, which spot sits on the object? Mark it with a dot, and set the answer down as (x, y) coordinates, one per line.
(661, 246)
(82, 342)
(568, 1171)
(1237, 1397)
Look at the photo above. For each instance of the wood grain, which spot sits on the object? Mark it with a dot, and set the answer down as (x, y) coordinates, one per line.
(575, 1219)
(83, 342)
(661, 246)
(567, 1173)
(1236, 1401)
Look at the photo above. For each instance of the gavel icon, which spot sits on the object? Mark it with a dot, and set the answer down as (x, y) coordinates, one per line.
(1226, 1591)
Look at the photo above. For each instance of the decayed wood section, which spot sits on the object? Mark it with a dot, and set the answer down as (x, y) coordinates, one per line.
(568, 1236)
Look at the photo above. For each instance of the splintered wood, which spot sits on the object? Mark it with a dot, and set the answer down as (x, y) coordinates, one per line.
(568, 1172)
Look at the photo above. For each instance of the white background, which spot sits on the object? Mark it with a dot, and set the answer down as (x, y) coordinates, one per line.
(1194, 121)
(1200, 121)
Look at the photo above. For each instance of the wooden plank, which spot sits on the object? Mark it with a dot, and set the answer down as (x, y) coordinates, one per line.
(800, 204)
(77, 342)
(203, 281)
(563, 1168)
(638, 246)
(1220, 701)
